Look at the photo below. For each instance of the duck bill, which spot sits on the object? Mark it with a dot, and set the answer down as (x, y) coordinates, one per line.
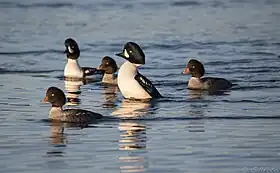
(121, 55)
(101, 67)
(45, 100)
(186, 71)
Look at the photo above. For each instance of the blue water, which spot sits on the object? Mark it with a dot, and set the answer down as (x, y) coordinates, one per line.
(187, 131)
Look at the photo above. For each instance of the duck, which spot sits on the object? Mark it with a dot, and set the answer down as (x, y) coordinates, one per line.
(110, 68)
(57, 98)
(132, 84)
(197, 82)
(72, 68)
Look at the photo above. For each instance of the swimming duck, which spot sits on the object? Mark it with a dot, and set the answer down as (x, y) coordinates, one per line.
(57, 98)
(110, 67)
(196, 82)
(131, 83)
(72, 69)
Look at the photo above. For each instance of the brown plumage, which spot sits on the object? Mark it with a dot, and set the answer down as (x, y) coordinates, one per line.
(57, 98)
(110, 67)
(196, 70)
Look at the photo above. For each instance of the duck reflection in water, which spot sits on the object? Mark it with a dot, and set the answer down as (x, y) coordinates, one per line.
(196, 109)
(110, 95)
(133, 137)
(57, 135)
(57, 140)
(195, 94)
(73, 92)
(200, 94)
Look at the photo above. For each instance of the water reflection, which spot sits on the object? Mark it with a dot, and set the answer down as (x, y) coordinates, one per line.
(57, 140)
(197, 109)
(199, 94)
(133, 137)
(132, 109)
(58, 145)
(195, 94)
(110, 95)
(57, 135)
(73, 92)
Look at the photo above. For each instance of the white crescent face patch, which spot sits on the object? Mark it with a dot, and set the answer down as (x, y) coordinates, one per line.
(126, 54)
(70, 49)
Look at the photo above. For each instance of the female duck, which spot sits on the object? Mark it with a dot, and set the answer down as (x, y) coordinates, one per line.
(197, 82)
(57, 98)
(110, 68)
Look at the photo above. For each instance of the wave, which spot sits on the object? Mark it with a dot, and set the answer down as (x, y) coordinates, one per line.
(237, 61)
(183, 118)
(35, 5)
(175, 45)
(185, 3)
(6, 71)
(35, 52)
(245, 88)
(260, 53)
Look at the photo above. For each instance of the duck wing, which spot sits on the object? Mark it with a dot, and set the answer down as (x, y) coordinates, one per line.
(147, 85)
(89, 71)
(79, 116)
(214, 83)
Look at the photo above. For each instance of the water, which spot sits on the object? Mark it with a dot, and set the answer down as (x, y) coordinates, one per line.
(186, 131)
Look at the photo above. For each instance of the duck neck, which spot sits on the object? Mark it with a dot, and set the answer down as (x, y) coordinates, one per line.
(195, 83)
(109, 78)
(55, 113)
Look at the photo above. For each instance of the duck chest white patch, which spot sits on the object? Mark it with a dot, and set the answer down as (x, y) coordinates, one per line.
(126, 54)
(70, 50)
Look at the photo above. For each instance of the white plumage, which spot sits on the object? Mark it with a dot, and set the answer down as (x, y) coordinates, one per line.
(73, 69)
(128, 86)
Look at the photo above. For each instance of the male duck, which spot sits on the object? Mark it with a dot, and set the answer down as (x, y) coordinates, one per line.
(72, 69)
(131, 83)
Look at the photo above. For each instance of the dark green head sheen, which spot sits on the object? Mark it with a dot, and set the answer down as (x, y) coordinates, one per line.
(72, 49)
(132, 53)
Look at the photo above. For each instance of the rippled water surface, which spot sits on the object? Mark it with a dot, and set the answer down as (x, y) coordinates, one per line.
(187, 131)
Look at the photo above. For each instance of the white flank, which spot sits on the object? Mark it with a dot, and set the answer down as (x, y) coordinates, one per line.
(128, 86)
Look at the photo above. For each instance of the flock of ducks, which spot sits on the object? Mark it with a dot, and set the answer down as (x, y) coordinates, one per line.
(131, 83)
